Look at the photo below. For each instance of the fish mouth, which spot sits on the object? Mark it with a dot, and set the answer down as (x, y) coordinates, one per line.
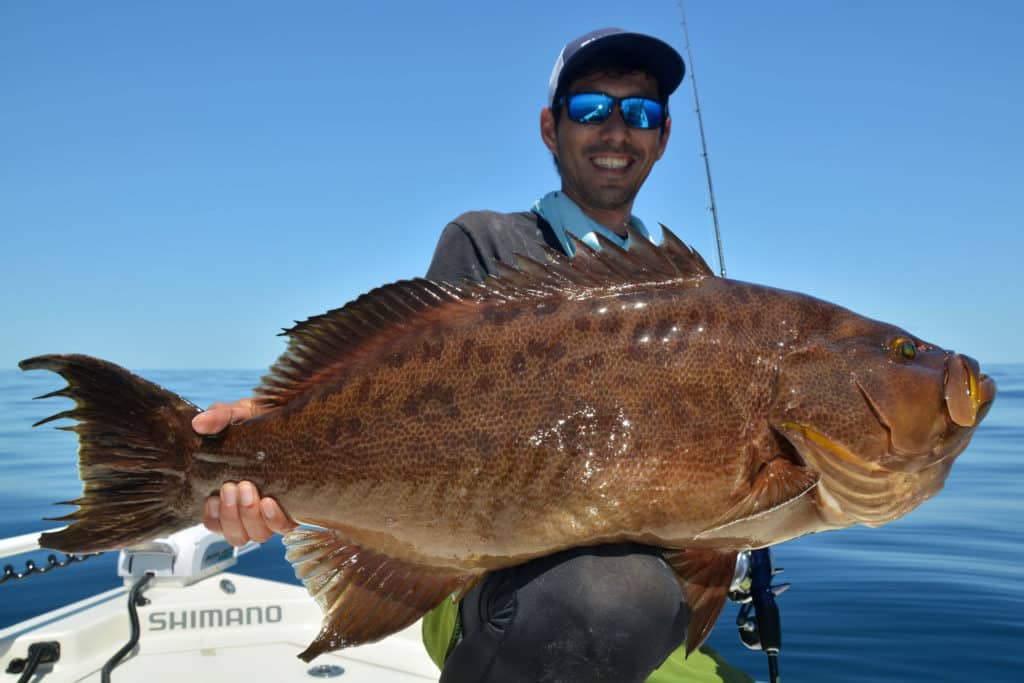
(854, 490)
(967, 396)
(895, 478)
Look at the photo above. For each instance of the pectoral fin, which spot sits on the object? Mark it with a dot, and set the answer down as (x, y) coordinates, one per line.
(778, 502)
(365, 595)
(705, 576)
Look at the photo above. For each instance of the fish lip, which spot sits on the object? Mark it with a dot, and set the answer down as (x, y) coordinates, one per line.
(967, 392)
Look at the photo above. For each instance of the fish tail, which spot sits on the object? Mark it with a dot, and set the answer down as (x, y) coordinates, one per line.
(134, 441)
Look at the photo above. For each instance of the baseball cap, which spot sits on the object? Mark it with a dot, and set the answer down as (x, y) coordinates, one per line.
(614, 45)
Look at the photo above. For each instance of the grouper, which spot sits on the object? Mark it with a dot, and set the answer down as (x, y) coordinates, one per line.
(427, 433)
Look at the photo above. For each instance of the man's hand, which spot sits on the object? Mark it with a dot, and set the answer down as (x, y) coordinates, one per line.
(219, 416)
(239, 513)
(242, 516)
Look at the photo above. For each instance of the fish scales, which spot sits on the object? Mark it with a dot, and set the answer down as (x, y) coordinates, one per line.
(462, 437)
(439, 431)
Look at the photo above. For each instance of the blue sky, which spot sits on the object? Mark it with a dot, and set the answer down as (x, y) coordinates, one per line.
(180, 180)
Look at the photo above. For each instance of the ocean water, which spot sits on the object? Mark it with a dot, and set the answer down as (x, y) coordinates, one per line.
(935, 596)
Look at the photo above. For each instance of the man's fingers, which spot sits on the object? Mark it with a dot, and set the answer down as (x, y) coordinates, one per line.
(213, 420)
(242, 410)
(250, 513)
(230, 519)
(218, 416)
(211, 515)
(242, 516)
(276, 518)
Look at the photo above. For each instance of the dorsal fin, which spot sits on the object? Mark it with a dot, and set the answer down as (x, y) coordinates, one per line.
(325, 345)
(687, 259)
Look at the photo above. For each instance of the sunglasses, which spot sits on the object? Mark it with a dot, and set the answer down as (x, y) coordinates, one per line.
(595, 107)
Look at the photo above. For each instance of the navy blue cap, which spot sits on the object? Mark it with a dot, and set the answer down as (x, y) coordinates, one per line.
(611, 46)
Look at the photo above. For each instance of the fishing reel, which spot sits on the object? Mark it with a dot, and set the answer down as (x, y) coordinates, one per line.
(758, 621)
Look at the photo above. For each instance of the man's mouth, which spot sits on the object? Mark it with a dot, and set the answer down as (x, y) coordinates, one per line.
(611, 163)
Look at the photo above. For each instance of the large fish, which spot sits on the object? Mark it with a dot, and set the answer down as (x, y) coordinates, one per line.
(435, 432)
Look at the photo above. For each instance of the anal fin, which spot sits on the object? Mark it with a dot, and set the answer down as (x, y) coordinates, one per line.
(365, 595)
(705, 576)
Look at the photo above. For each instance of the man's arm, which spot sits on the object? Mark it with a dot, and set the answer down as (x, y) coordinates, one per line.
(456, 257)
(470, 245)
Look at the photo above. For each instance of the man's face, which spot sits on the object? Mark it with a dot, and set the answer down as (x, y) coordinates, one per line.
(604, 165)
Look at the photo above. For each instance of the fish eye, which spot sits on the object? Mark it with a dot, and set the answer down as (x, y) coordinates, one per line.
(905, 347)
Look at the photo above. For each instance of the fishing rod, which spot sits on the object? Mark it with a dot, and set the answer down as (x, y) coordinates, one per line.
(703, 143)
(758, 622)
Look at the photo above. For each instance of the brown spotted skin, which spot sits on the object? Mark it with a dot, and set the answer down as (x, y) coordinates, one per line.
(438, 431)
(504, 430)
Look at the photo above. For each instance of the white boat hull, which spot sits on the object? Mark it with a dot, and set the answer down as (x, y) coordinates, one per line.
(203, 632)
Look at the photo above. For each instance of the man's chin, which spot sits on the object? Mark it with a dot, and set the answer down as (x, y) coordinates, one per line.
(614, 197)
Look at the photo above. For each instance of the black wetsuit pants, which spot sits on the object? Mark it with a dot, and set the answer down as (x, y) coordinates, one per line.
(586, 615)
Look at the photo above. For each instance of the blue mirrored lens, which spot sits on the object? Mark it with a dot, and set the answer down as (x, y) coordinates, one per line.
(640, 112)
(590, 107)
(593, 108)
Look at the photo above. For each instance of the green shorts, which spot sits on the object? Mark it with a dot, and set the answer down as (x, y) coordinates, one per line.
(440, 633)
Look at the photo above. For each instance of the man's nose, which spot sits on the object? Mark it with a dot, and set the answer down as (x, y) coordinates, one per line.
(614, 127)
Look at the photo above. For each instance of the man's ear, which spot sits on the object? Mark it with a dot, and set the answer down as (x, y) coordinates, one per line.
(547, 130)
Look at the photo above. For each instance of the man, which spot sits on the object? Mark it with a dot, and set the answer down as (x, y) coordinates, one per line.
(611, 613)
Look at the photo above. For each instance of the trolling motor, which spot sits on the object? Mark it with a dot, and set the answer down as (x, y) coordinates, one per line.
(758, 622)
